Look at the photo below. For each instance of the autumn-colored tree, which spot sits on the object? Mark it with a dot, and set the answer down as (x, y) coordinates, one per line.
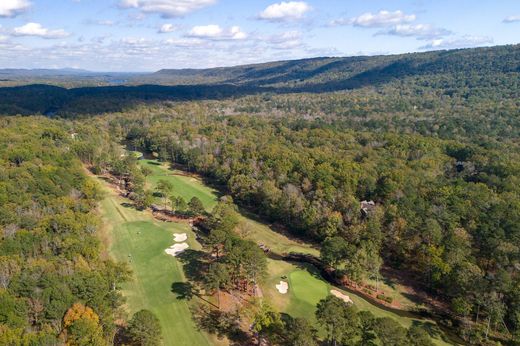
(81, 326)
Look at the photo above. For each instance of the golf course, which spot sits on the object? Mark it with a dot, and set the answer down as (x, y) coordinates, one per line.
(137, 238)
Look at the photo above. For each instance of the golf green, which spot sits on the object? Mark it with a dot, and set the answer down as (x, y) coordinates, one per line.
(307, 291)
(307, 288)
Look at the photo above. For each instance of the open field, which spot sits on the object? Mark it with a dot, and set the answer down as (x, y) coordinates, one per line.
(185, 186)
(139, 240)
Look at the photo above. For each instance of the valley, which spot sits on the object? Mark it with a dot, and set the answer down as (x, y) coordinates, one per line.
(139, 239)
(347, 201)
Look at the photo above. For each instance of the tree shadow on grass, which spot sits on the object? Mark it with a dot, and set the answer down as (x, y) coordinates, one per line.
(223, 325)
(183, 290)
(194, 264)
(416, 299)
(311, 269)
(186, 291)
(431, 328)
(390, 282)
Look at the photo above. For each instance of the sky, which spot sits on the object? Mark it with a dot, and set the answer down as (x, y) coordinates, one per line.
(148, 35)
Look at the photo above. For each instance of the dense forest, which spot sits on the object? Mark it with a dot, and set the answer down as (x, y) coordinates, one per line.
(445, 210)
(408, 162)
(55, 285)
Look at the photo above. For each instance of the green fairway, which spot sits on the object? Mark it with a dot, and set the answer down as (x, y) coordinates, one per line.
(135, 237)
(189, 186)
(185, 186)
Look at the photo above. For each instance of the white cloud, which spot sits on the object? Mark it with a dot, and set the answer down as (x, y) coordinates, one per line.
(36, 29)
(376, 20)
(10, 8)
(206, 31)
(285, 11)
(512, 19)
(466, 41)
(421, 31)
(166, 8)
(215, 32)
(166, 28)
(286, 40)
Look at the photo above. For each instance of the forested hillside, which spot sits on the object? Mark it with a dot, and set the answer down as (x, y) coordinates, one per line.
(446, 210)
(328, 74)
(55, 286)
(490, 74)
(407, 164)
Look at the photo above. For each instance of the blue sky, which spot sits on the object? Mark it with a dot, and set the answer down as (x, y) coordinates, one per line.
(147, 35)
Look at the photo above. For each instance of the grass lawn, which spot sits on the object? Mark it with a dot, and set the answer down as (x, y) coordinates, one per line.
(306, 289)
(135, 233)
(277, 242)
(185, 186)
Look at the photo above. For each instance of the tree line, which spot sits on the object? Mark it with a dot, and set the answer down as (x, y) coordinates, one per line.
(445, 210)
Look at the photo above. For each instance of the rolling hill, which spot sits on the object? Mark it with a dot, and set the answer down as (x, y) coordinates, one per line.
(481, 72)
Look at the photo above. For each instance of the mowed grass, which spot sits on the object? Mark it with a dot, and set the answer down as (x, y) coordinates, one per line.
(277, 242)
(185, 186)
(307, 288)
(136, 238)
(189, 186)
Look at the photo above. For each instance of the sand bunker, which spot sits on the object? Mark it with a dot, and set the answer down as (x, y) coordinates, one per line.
(341, 296)
(282, 287)
(176, 249)
(180, 237)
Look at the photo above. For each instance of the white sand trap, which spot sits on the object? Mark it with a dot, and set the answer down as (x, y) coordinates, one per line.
(180, 237)
(282, 287)
(176, 249)
(341, 296)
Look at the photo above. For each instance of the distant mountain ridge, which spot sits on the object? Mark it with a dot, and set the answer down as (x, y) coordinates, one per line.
(344, 73)
(479, 72)
(68, 77)
(326, 73)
